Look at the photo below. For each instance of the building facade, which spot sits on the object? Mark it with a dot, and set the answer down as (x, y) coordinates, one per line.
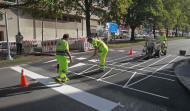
(32, 28)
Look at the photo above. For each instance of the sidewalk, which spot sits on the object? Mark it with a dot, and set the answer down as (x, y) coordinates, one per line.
(182, 71)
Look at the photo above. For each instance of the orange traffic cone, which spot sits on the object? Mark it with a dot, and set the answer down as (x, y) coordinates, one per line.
(23, 79)
(131, 52)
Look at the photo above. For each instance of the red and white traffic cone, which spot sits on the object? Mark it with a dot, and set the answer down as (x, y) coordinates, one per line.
(131, 51)
(23, 79)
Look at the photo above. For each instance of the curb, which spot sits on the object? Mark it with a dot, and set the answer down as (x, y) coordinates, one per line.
(177, 73)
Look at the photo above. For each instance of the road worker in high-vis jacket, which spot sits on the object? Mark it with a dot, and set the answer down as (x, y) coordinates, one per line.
(101, 47)
(163, 39)
(62, 50)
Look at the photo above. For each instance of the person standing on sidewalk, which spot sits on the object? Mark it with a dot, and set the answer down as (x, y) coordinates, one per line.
(62, 50)
(102, 48)
(19, 40)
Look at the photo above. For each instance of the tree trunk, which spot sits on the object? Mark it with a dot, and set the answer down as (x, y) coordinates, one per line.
(133, 33)
(154, 31)
(176, 32)
(167, 33)
(87, 6)
(182, 33)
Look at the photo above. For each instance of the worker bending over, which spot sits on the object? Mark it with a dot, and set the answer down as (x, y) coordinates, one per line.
(100, 47)
(62, 50)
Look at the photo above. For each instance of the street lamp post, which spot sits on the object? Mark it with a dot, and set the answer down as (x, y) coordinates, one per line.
(18, 17)
(8, 45)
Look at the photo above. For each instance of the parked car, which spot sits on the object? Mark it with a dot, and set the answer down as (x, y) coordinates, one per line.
(138, 36)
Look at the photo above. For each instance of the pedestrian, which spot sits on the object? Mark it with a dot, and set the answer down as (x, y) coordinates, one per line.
(99, 47)
(19, 40)
(62, 50)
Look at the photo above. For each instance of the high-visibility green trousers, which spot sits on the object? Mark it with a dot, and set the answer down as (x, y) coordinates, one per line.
(102, 58)
(63, 67)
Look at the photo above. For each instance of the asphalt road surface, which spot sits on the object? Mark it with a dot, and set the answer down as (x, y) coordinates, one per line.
(129, 83)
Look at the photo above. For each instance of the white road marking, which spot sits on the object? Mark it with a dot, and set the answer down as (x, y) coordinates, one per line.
(125, 87)
(81, 58)
(141, 63)
(77, 65)
(50, 61)
(160, 73)
(93, 60)
(86, 98)
(53, 61)
(121, 50)
(112, 75)
(129, 80)
(153, 72)
(156, 62)
(105, 74)
(138, 73)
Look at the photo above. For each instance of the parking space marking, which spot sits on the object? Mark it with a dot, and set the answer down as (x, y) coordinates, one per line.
(154, 72)
(105, 74)
(156, 62)
(136, 73)
(50, 61)
(141, 63)
(152, 94)
(160, 73)
(77, 65)
(81, 58)
(129, 80)
(86, 98)
(113, 75)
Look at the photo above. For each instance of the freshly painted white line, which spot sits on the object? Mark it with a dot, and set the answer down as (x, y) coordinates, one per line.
(87, 69)
(112, 75)
(125, 87)
(121, 50)
(166, 64)
(53, 61)
(105, 74)
(81, 58)
(86, 98)
(50, 61)
(153, 72)
(93, 60)
(122, 57)
(152, 94)
(77, 65)
(141, 63)
(160, 73)
(91, 70)
(129, 80)
(148, 93)
(156, 62)
(137, 73)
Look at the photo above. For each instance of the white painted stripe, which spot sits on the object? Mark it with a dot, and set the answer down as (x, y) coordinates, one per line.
(129, 80)
(50, 61)
(153, 72)
(125, 87)
(93, 60)
(141, 63)
(112, 75)
(105, 74)
(77, 65)
(156, 62)
(121, 50)
(86, 98)
(54, 60)
(81, 58)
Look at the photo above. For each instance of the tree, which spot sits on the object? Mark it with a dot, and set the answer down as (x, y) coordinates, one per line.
(138, 12)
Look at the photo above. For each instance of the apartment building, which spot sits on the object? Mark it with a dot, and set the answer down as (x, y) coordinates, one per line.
(32, 28)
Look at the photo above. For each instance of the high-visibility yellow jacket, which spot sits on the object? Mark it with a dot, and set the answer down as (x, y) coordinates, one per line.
(61, 46)
(100, 44)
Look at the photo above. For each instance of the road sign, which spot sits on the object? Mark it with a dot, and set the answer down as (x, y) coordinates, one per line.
(113, 28)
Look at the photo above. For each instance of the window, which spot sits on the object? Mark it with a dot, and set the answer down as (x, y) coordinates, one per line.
(99, 23)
